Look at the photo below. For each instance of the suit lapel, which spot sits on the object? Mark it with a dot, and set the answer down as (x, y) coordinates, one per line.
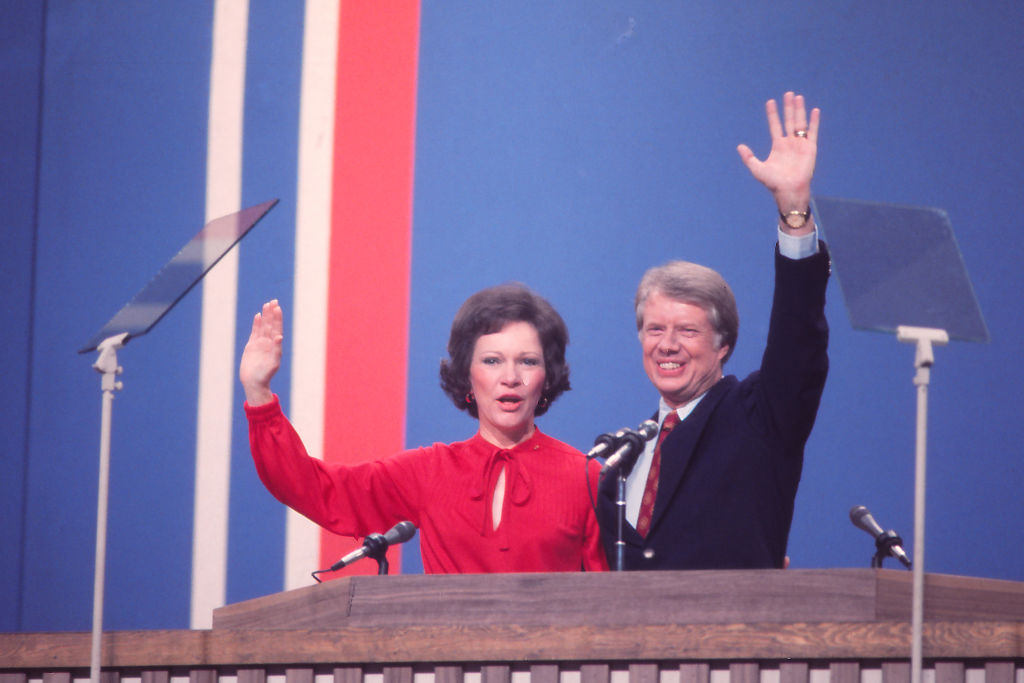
(679, 446)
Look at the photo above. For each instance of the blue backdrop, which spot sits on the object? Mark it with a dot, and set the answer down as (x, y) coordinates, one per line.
(566, 145)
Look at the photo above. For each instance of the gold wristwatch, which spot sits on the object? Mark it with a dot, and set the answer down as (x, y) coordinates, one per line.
(795, 219)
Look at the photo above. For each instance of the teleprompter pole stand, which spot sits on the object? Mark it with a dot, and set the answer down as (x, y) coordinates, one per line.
(136, 318)
(924, 358)
(107, 366)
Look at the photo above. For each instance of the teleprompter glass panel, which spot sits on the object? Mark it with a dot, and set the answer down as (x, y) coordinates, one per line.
(180, 274)
(899, 265)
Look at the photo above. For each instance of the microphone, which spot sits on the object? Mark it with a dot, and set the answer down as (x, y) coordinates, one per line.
(886, 541)
(631, 446)
(609, 441)
(376, 545)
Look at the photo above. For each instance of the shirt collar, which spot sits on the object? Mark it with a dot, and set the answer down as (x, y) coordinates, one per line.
(683, 411)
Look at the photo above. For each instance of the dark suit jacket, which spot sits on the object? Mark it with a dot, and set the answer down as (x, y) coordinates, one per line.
(730, 470)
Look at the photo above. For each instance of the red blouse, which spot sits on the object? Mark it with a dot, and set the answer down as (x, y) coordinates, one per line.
(547, 520)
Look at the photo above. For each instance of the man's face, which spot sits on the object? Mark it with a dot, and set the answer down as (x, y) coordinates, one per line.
(681, 356)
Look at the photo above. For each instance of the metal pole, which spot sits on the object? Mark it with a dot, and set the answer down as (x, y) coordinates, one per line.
(917, 615)
(620, 510)
(924, 358)
(107, 365)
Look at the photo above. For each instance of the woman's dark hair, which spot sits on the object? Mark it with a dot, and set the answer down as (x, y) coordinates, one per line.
(489, 311)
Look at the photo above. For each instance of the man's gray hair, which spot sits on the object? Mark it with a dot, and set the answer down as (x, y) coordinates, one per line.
(694, 284)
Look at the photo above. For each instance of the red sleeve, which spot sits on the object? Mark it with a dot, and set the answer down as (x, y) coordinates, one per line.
(351, 500)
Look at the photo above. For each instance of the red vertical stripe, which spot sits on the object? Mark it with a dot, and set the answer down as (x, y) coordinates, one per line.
(368, 306)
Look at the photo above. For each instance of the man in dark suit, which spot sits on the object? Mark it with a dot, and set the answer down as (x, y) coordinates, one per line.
(718, 491)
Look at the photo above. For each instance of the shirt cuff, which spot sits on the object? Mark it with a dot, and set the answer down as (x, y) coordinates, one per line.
(793, 247)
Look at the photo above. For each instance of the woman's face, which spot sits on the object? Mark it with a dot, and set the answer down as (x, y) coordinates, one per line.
(507, 376)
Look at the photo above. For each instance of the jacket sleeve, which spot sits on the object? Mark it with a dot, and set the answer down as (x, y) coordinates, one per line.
(795, 361)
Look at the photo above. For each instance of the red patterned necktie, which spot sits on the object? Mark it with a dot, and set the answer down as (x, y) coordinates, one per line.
(643, 522)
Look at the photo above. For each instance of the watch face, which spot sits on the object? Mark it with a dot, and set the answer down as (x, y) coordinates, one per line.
(796, 219)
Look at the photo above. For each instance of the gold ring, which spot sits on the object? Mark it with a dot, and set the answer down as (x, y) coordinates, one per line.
(800, 133)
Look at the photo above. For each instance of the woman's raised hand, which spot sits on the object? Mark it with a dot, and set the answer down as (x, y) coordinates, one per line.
(262, 355)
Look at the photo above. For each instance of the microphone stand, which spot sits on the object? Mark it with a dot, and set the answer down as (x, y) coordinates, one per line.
(631, 447)
(620, 508)
(377, 548)
(883, 547)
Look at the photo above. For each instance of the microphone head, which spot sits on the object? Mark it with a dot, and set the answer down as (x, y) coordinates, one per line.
(609, 439)
(400, 533)
(635, 439)
(648, 429)
(862, 519)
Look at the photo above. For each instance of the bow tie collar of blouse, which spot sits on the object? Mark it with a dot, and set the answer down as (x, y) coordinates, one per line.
(518, 488)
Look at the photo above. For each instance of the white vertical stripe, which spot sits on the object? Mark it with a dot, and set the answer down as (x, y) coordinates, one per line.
(217, 340)
(312, 256)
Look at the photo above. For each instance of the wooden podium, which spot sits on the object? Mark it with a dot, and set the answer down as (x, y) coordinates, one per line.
(769, 626)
